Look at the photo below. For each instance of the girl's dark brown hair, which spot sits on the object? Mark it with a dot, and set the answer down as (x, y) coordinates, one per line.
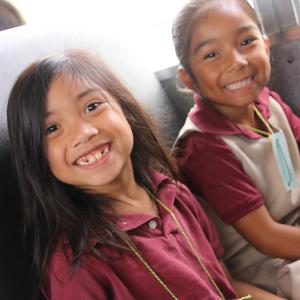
(183, 25)
(53, 210)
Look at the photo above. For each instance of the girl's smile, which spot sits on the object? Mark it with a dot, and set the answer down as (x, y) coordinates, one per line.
(238, 87)
(88, 139)
(94, 158)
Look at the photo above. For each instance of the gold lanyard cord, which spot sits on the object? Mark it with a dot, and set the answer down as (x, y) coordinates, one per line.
(156, 276)
(259, 131)
(263, 119)
(192, 248)
(268, 134)
(149, 268)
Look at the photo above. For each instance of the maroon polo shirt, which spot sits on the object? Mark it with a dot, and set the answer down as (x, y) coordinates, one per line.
(163, 247)
(210, 168)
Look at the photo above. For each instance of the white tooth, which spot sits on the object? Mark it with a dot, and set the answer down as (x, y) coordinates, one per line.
(238, 85)
(92, 159)
(98, 155)
(104, 151)
(86, 160)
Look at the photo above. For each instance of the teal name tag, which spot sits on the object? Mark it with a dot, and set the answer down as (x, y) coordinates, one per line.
(283, 160)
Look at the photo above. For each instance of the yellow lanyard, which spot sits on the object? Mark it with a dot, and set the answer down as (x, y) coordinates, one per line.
(268, 134)
(259, 131)
(191, 246)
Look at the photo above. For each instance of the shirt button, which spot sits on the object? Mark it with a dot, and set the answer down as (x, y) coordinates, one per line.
(152, 224)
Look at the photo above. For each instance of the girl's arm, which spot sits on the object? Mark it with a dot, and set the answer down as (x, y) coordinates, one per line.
(244, 289)
(270, 237)
(213, 171)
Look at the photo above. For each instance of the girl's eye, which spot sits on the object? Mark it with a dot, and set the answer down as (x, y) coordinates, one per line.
(52, 128)
(91, 106)
(210, 55)
(246, 42)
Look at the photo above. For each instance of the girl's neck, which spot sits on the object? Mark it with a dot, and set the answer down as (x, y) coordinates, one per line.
(242, 116)
(134, 200)
(128, 196)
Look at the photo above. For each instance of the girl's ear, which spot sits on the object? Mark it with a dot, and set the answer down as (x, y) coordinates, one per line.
(267, 44)
(186, 79)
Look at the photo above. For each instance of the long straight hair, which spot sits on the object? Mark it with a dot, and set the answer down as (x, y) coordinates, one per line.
(53, 209)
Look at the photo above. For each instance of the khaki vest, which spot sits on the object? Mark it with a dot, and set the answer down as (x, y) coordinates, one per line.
(258, 162)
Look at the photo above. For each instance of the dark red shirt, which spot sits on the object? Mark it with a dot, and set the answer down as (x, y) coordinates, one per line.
(209, 166)
(163, 247)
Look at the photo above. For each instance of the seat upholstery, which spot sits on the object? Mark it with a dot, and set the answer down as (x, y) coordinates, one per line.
(19, 47)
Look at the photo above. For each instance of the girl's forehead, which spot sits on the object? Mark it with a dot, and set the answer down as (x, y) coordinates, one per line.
(72, 84)
(64, 87)
(75, 80)
(228, 6)
(218, 14)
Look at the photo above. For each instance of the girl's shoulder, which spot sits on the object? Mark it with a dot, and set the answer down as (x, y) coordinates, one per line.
(265, 99)
(64, 282)
(191, 201)
(201, 148)
(61, 261)
(62, 274)
(165, 187)
(61, 264)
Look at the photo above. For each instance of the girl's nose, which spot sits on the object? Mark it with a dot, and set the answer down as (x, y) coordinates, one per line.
(83, 132)
(236, 61)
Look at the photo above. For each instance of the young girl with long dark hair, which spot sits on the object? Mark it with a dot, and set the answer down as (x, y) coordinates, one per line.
(107, 217)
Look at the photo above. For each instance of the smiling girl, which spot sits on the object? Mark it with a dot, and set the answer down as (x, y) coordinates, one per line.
(109, 220)
(239, 147)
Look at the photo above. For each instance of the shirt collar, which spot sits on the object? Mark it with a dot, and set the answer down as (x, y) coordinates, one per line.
(164, 188)
(208, 119)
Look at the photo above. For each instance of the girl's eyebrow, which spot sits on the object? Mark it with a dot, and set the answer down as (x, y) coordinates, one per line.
(246, 28)
(77, 98)
(84, 93)
(212, 40)
(203, 43)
